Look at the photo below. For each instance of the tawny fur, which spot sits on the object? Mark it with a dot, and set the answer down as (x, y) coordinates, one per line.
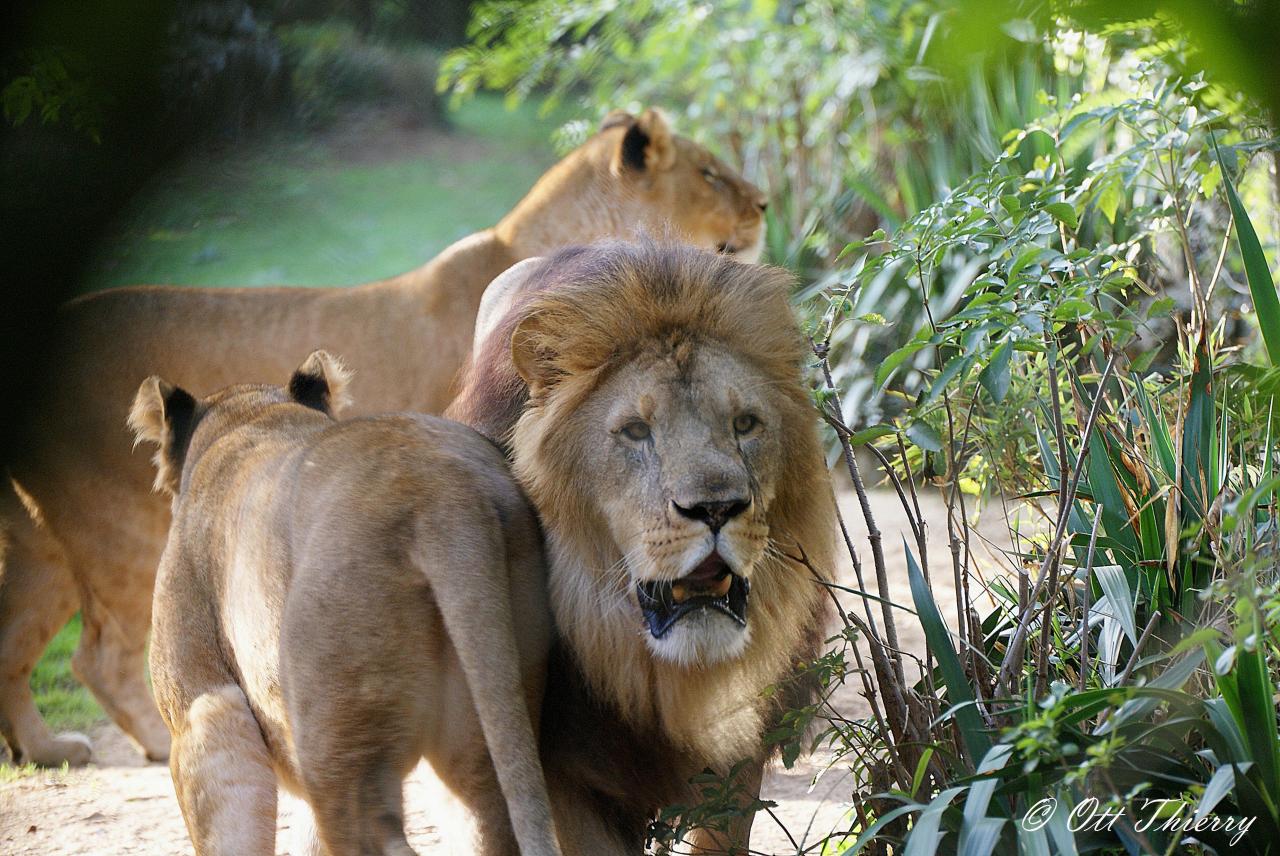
(409, 335)
(626, 729)
(327, 612)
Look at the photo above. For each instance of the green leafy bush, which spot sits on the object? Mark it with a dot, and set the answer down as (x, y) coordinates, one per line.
(54, 85)
(1022, 285)
(224, 71)
(831, 105)
(1123, 668)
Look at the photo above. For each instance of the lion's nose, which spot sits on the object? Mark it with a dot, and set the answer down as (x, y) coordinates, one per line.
(714, 514)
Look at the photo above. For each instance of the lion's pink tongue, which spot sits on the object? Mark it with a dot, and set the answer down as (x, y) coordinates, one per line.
(707, 571)
(710, 577)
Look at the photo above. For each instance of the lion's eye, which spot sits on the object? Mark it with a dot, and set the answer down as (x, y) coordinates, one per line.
(710, 174)
(636, 431)
(744, 423)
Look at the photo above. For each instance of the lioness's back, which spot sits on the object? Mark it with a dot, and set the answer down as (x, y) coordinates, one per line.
(426, 462)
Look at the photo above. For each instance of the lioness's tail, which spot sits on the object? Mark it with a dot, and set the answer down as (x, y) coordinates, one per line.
(475, 599)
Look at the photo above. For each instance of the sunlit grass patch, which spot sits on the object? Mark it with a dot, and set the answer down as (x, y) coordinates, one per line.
(10, 773)
(63, 700)
(369, 201)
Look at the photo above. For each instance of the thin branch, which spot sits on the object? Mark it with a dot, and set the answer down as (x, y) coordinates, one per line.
(1014, 652)
(873, 531)
(783, 827)
(1088, 594)
(1137, 649)
(884, 675)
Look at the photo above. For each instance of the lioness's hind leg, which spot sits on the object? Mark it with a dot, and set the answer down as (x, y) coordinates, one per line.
(353, 754)
(470, 776)
(355, 707)
(222, 773)
(37, 596)
(111, 661)
(359, 809)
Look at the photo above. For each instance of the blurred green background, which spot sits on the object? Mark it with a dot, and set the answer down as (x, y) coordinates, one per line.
(365, 199)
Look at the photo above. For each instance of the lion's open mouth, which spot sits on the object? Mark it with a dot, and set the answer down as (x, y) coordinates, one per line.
(710, 586)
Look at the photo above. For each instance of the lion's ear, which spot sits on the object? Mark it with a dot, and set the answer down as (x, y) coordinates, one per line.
(321, 383)
(648, 145)
(163, 414)
(500, 295)
(533, 355)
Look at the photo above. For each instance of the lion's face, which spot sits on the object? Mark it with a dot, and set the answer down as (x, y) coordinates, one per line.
(680, 449)
(669, 445)
(683, 185)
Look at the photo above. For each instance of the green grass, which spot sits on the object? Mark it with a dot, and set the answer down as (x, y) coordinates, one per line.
(339, 210)
(10, 773)
(357, 204)
(65, 703)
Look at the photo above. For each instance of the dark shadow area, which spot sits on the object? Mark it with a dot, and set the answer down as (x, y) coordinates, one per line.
(61, 185)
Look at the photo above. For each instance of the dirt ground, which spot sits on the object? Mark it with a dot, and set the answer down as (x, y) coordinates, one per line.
(121, 805)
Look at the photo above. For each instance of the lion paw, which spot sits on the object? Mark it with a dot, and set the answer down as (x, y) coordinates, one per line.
(69, 747)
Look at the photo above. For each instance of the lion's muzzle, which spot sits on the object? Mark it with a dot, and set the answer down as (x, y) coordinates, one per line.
(711, 587)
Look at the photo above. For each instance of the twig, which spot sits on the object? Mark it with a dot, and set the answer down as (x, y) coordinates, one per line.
(1014, 652)
(857, 563)
(783, 827)
(921, 530)
(1137, 649)
(922, 541)
(1042, 654)
(1088, 593)
(843, 430)
(883, 675)
(873, 531)
(960, 568)
(1060, 435)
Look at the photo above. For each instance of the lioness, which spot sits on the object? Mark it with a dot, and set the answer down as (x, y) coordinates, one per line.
(335, 601)
(652, 401)
(95, 531)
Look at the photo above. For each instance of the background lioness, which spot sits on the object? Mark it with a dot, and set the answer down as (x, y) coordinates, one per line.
(653, 402)
(82, 527)
(335, 601)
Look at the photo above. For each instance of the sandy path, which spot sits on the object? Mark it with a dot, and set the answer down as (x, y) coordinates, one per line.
(121, 805)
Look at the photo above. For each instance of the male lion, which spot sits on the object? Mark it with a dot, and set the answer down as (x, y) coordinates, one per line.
(95, 530)
(327, 612)
(653, 404)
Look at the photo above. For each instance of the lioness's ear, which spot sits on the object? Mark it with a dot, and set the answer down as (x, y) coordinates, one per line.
(617, 118)
(163, 414)
(647, 145)
(321, 383)
(532, 354)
